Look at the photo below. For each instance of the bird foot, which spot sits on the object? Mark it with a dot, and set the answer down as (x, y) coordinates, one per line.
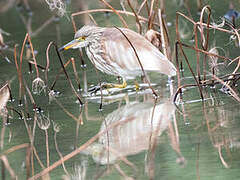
(95, 89)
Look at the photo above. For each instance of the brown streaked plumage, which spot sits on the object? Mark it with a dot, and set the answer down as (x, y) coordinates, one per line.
(110, 52)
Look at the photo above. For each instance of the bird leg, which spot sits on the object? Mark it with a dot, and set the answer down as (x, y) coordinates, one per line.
(121, 86)
(107, 86)
(136, 85)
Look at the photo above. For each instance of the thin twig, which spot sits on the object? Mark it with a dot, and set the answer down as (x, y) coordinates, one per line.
(135, 51)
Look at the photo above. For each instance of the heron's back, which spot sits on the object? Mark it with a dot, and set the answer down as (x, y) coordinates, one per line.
(121, 58)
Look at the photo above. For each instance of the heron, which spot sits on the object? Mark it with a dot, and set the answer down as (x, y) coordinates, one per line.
(110, 52)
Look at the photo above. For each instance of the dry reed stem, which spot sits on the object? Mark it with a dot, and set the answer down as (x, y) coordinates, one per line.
(152, 14)
(58, 74)
(33, 54)
(207, 52)
(14, 148)
(137, 19)
(145, 2)
(47, 147)
(30, 95)
(21, 89)
(31, 135)
(107, 10)
(116, 12)
(65, 72)
(221, 158)
(47, 62)
(179, 90)
(197, 53)
(65, 110)
(153, 139)
(205, 25)
(59, 153)
(177, 63)
(164, 36)
(43, 26)
(232, 92)
(75, 73)
(203, 39)
(28, 161)
(135, 51)
(100, 84)
(8, 167)
(38, 65)
(78, 150)
(204, 42)
(186, 59)
(235, 70)
(80, 50)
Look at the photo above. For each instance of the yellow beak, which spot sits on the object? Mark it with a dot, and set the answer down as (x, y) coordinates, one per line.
(69, 45)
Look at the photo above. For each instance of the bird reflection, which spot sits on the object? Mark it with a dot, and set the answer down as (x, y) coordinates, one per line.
(139, 124)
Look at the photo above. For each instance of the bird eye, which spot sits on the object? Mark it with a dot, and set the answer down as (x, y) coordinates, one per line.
(82, 38)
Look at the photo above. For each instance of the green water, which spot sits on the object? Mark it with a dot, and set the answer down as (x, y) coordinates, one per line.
(147, 139)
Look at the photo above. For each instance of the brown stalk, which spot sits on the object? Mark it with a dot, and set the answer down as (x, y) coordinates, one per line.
(59, 153)
(145, 2)
(43, 26)
(232, 92)
(186, 4)
(221, 157)
(58, 74)
(47, 63)
(189, 66)
(203, 39)
(235, 70)
(78, 150)
(205, 25)
(28, 161)
(114, 10)
(75, 73)
(178, 67)
(30, 95)
(135, 51)
(14, 148)
(179, 90)
(137, 19)
(65, 72)
(100, 83)
(11, 108)
(8, 167)
(31, 135)
(38, 65)
(153, 142)
(66, 111)
(21, 89)
(80, 50)
(197, 53)
(164, 35)
(107, 10)
(207, 52)
(151, 16)
(33, 55)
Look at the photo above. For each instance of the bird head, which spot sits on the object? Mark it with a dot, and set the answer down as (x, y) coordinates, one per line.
(81, 39)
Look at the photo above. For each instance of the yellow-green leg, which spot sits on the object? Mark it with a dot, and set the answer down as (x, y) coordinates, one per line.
(121, 86)
(136, 85)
